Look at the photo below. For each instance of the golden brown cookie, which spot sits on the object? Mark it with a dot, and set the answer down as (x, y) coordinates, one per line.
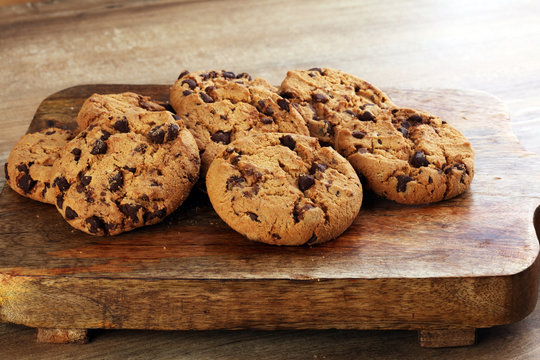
(118, 175)
(29, 168)
(220, 107)
(406, 155)
(113, 107)
(284, 189)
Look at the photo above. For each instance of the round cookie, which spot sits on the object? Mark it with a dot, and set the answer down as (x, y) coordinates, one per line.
(119, 175)
(406, 155)
(29, 168)
(220, 107)
(284, 189)
(113, 106)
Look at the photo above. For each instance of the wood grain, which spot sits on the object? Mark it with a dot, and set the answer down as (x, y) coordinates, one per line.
(467, 263)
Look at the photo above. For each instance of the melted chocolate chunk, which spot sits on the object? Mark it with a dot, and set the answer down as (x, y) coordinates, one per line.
(243, 75)
(70, 213)
(162, 133)
(404, 132)
(316, 69)
(317, 167)
(26, 183)
(288, 141)
(158, 214)
(283, 104)
(190, 82)
(415, 118)
(116, 182)
(130, 169)
(365, 116)
(105, 135)
(186, 92)
(50, 132)
(298, 213)
(286, 95)
(131, 211)
(122, 125)
(100, 147)
(358, 134)
(402, 181)
(228, 75)
(6, 171)
(182, 74)
(85, 180)
(235, 180)
(305, 182)
(419, 159)
(253, 216)
(62, 183)
(206, 98)
(96, 224)
(319, 98)
(223, 137)
(77, 153)
(22, 168)
(267, 121)
(268, 111)
(60, 201)
(172, 132)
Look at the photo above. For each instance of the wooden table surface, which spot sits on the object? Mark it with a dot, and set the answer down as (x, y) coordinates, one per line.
(50, 45)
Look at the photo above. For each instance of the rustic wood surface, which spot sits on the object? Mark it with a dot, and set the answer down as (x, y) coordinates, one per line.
(490, 46)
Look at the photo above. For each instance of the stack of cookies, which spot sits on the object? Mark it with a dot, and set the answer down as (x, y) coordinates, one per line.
(280, 165)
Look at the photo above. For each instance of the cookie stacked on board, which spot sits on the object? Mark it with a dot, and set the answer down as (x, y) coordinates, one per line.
(280, 165)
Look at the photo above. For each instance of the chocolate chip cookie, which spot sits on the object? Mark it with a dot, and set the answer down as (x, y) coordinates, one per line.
(284, 189)
(29, 168)
(121, 174)
(220, 107)
(406, 155)
(113, 106)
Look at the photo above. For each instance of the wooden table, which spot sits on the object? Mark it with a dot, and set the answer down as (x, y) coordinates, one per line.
(48, 46)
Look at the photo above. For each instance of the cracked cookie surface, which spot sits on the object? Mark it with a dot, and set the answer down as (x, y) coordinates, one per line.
(406, 155)
(121, 174)
(112, 107)
(219, 107)
(29, 168)
(284, 189)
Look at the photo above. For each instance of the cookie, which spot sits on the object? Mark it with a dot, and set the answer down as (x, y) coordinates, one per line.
(118, 175)
(284, 189)
(405, 155)
(113, 106)
(220, 107)
(29, 168)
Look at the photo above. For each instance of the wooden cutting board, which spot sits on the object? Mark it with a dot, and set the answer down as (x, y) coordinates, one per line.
(444, 269)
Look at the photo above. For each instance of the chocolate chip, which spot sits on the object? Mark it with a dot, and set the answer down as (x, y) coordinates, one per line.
(62, 183)
(316, 69)
(26, 183)
(45, 188)
(329, 127)
(172, 132)
(77, 153)
(419, 159)
(253, 216)
(229, 75)
(6, 171)
(157, 134)
(235, 180)
(274, 235)
(443, 122)
(100, 147)
(105, 135)
(402, 181)
(50, 132)
(79, 188)
(350, 112)
(206, 98)
(60, 200)
(243, 75)
(96, 224)
(70, 213)
(406, 124)
(404, 132)
(209, 89)
(261, 104)
(141, 148)
(223, 137)
(182, 74)
(122, 125)
(288, 141)
(190, 82)
(365, 116)
(283, 104)
(117, 181)
(319, 98)
(158, 214)
(317, 167)
(305, 182)
(131, 211)
(235, 159)
(268, 111)
(358, 134)
(286, 95)
(357, 88)
(415, 118)
(85, 180)
(267, 121)
(186, 92)
(298, 213)
(22, 168)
